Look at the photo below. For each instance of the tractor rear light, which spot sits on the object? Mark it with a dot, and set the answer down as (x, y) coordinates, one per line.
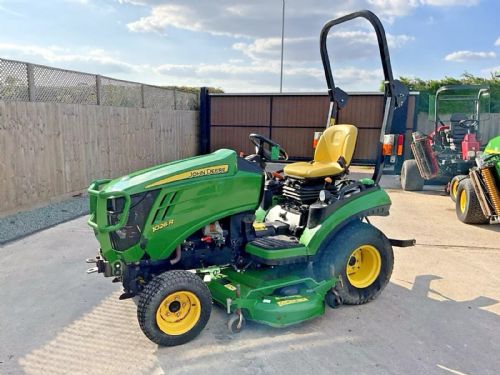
(317, 136)
(388, 144)
(400, 144)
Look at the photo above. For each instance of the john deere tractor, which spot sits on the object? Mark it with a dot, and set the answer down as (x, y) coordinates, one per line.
(267, 247)
(447, 153)
(478, 194)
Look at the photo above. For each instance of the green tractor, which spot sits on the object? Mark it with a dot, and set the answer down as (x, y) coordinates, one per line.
(478, 194)
(267, 247)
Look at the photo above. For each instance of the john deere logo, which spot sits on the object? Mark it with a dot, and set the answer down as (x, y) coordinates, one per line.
(208, 171)
(201, 172)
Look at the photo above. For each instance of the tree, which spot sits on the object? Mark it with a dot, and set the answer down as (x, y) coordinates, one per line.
(429, 87)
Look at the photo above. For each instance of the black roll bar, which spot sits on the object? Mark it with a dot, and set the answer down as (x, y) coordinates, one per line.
(395, 92)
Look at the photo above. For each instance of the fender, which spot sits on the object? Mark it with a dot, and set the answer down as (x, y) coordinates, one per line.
(372, 202)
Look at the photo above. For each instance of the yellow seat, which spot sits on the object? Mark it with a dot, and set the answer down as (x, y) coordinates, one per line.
(337, 141)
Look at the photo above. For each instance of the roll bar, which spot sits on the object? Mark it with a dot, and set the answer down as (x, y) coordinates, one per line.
(480, 89)
(395, 92)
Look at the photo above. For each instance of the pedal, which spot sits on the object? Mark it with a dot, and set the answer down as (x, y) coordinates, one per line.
(91, 260)
(92, 270)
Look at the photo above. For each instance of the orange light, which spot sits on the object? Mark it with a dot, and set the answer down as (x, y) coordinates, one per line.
(386, 149)
(388, 144)
(317, 136)
(400, 144)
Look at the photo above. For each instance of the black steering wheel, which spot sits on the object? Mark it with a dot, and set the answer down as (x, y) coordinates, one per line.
(265, 152)
(468, 123)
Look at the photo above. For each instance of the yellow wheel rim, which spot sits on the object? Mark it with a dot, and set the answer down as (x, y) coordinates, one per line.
(454, 188)
(364, 266)
(463, 201)
(178, 313)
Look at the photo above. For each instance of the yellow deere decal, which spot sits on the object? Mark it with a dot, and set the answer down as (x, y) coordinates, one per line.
(290, 301)
(163, 225)
(207, 171)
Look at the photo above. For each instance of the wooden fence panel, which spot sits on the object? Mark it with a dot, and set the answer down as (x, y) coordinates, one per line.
(52, 150)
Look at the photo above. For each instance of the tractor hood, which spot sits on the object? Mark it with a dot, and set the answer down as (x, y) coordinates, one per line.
(493, 146)
(219, 162)
(154, 210)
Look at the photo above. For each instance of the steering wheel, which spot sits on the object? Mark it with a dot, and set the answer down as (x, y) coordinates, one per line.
(468, 123)
(265, 153)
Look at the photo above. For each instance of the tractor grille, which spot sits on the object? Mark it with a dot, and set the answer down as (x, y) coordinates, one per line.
(130, 234)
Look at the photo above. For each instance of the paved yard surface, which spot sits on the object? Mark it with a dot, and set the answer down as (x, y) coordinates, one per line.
(440, 314)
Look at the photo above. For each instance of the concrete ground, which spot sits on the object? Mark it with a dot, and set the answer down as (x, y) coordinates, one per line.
(438, 315)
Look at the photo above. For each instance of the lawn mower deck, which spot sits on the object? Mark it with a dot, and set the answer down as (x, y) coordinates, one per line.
(275, 297)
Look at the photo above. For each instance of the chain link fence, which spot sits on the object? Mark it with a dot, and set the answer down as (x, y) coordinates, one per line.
(21, 81)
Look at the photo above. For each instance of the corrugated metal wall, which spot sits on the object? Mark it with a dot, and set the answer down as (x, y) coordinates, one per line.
(292, 119)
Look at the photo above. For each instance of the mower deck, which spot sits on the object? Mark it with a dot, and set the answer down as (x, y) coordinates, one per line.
(266, 297)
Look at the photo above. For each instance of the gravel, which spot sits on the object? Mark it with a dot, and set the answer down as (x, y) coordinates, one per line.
(21, 224)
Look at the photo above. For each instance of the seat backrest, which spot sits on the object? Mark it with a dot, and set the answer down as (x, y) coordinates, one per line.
(336, 141)
(457, 132)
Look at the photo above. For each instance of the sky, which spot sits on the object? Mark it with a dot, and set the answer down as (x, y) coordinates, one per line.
(235, 45)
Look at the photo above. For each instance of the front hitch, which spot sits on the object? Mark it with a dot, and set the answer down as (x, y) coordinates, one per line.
(103, 266)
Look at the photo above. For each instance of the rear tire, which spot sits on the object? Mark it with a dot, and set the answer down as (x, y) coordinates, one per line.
(174, 308)
(467, 205)
(357, 245)
(411, 180)
(455, 181)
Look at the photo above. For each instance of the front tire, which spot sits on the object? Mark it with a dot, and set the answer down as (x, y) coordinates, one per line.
(411, 180)
(361, 257)
(467, 205)
(455, 181)
(174, 308)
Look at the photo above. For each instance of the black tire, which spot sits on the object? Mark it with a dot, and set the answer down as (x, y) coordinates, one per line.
(411, 180)
(158, 290)
(333, 259)
(333, 300)
(467, 205)
(453, 187)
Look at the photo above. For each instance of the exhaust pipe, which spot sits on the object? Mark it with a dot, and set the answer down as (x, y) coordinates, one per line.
(178, 255)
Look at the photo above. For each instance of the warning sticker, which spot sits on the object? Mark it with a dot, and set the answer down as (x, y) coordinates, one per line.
(291, 301)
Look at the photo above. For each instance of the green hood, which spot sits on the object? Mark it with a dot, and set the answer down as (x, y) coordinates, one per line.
(219, 162)
(493, 146)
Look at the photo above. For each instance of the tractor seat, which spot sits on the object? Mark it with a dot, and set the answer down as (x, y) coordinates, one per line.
(457, 132)
(332, 156)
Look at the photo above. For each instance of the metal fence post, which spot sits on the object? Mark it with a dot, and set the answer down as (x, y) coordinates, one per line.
(31, 82)
(98, 87)
(143, 102)
(175, 99)
(204, 121)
